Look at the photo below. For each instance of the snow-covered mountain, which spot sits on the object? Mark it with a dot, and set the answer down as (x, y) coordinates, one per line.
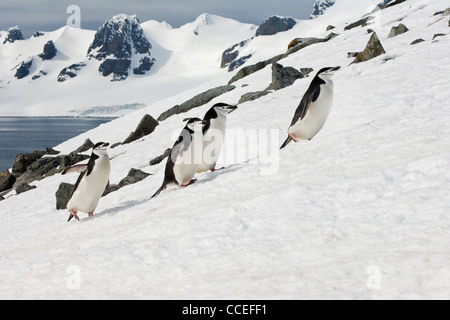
(320, 6)
(358, 212)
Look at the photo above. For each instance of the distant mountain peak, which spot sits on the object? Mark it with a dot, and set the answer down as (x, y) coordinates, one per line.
(116, 42)
(320, 6)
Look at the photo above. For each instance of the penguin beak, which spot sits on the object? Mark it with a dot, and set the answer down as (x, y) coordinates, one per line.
(230, 109)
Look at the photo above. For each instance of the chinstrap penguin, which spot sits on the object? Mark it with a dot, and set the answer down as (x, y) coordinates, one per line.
(214, 134)
(185, 156)
(91, 183)
(314, 107)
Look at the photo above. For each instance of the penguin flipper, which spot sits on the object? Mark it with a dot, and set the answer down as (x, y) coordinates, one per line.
(289, 139)
(80, 168)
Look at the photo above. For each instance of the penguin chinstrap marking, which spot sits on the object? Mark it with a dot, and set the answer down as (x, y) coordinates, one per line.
(185, 157)
(214, 134)
(314, 107)
(91, 183)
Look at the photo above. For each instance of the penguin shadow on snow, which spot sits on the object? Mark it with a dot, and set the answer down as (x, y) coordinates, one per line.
(115, 210)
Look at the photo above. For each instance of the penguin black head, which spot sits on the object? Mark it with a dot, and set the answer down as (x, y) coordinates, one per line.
(327, 72)
(100, 148)
(195, 124)
(219, 108)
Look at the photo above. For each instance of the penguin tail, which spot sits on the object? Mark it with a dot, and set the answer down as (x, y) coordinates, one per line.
(159, 191)
(289, 139)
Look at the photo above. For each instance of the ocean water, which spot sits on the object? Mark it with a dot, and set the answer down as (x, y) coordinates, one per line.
(26, 134)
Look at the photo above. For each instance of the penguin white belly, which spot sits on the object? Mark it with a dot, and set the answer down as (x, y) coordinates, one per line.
(91, 187)
(317, 114)
(212, 143)
(185, 166)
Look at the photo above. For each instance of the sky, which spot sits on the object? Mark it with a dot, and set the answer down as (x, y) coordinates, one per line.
(49, 15)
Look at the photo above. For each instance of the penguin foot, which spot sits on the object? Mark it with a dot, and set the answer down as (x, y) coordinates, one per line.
(192, 181)
(73, 214)
(293, 137)
(90, 214)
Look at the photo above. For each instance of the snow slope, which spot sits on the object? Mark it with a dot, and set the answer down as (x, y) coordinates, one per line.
(359, 212)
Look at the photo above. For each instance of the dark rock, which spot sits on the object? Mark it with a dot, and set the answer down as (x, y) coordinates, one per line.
(24, 69)
(70, 71)
(330, 27)
(6, 180)
(230, 54)
(87, 144)
(306, 71)
(370, 30)
(395, 31)
(63, 195)
(373, 49)
(114, 145)
(196, 101)
(145, 64)
(160, 158)
(1, 198)
(49, 51)
(360, 23)
(134, 176)
(115, 43)
(300, 43)
(250, 96)
(438, 35)
(239, 62)
(283, 77)
(24, 187)
(37, 34)
(275, 24)
(146, 126)
(71, 159)
(353, 54)
(391, 4)
(320, 7)
(13, 35)
(23, 160)
(417, 41)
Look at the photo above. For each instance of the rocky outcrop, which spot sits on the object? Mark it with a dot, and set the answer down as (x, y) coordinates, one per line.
(24, 69)
(6, 180)
(251, 96)
(274, 25)
(70, 71)
(395, 31)
(118, 43)
(283, 77)
(300, 43)
(230, 55)
(417, 41)
(160, 158)
(146, 126)
(196, 101)
(49, 51)
(320, 6)
(360, 23)
(13, 34)
(373, 49)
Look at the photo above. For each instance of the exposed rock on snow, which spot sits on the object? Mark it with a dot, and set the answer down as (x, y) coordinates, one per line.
(395, 31)
(70, 71)
(320, 6)
(24, 69)
(146, 126)
(275, 24)
(360, 23)
(250, 96)
(283, 77)
(417, 41)
(196, 101)
(116, 43)
(13, 34)
(6, 180)
(373, 49)
(49, 51)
